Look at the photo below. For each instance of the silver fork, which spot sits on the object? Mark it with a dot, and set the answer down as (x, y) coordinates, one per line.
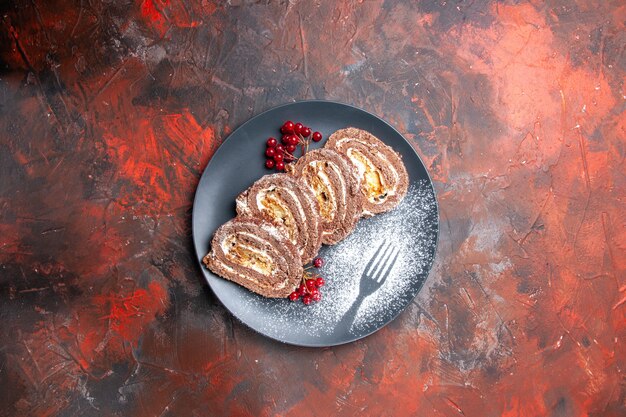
(378, 268)
(374, 275)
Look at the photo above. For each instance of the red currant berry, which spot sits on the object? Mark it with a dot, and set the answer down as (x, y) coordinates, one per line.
(316, 297)
(271, 142)
(270, 152)
(294, 296)
(307, 300)
(318, 262)
(317, 136)
(269, 163)
(279, 149)
(286, 139)
(310, 284)
(278, 157)
(320, 282)
(287, 127)
(294, 140)
(301, 289)
(306, 131)
(314, 291)
(280, 165)
(291, 148)
(297, 129)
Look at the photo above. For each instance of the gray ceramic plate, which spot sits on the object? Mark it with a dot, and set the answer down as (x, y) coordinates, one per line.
(356, 302)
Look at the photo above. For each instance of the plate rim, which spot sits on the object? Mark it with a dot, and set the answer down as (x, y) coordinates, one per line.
(199, 256)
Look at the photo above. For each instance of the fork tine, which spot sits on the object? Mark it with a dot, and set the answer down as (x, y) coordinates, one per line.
(388, 266)
(381, 260)
(371, 262)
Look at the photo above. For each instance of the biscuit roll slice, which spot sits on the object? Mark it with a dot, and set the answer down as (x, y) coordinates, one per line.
(337, 190)
(384, 180)
(256, 254)
(287, 202)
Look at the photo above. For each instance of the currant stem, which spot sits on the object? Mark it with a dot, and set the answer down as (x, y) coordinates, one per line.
(290, 155)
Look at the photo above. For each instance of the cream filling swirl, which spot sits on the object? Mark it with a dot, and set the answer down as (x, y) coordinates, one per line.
(231, 243)
(362, 167)
(278, 286)
(261, 199)
(317, 168)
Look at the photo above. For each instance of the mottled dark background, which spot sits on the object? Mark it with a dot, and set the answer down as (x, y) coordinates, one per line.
(109, 110)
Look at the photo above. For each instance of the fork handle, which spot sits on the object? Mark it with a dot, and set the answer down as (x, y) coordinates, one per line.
(348, 318)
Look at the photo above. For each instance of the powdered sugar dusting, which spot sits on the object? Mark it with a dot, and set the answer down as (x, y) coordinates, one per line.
(411, 228)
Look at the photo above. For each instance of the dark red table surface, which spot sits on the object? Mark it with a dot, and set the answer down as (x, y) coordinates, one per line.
(110, 110)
